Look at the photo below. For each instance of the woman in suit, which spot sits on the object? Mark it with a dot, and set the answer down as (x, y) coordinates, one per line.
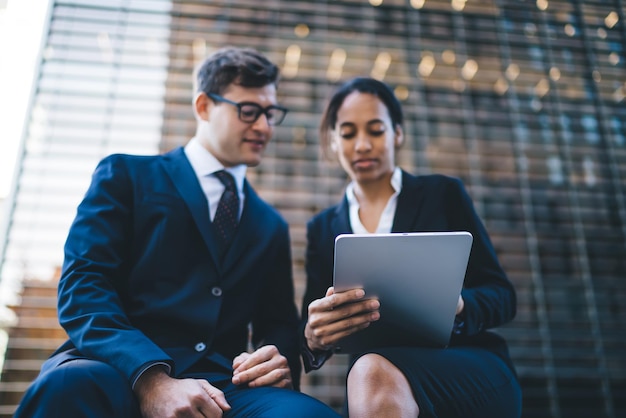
(474, 376)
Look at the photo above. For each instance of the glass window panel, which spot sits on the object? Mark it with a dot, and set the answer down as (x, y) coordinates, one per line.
(546, 169)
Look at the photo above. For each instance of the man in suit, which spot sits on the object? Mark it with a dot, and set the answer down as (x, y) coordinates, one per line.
(171, 263)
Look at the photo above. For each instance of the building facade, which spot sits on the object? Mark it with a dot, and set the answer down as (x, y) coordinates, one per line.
(523, 100)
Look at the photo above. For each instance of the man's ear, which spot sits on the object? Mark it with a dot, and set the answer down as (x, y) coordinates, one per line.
(399, 139)
(201, 106)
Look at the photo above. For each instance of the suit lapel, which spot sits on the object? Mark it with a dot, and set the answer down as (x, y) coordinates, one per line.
(341, 221)
(184, 178)
(409, 203)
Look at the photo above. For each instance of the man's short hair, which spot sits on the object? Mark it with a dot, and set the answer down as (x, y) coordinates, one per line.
(245, 67)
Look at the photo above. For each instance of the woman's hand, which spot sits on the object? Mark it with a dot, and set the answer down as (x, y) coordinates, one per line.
(337, 315)
(460, 305)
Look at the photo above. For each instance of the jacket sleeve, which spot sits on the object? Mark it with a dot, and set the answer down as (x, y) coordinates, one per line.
(489, 296)
(318, 263)
(276, 322)
(95, 268)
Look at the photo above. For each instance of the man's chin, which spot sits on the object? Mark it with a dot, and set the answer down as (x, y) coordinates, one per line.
(253, 162)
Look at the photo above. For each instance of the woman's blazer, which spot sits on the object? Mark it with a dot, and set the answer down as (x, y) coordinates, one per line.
(427, 204)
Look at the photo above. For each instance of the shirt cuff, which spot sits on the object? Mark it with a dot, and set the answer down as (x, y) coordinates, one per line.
(168, 370)
(313, 360)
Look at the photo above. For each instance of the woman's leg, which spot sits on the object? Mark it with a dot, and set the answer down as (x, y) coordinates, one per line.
(457, 382)
(377, 388)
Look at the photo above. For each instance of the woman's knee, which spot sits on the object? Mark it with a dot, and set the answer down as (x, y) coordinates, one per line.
(375, 383)
(373, 369)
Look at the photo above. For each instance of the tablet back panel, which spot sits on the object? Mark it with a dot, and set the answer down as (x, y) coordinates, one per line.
(416, 276)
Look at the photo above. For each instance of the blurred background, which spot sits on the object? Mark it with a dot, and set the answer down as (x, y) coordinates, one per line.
(523, 100)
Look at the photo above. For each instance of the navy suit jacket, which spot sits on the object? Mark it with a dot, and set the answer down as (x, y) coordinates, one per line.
(142, 281)
(426, 204)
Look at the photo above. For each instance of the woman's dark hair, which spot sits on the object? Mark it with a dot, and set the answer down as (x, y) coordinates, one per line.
(362, 85)
(245, 67)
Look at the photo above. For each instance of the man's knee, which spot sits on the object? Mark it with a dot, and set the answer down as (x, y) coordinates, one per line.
(78, 376)
(78, 386)
(279, 403)
(307, 407)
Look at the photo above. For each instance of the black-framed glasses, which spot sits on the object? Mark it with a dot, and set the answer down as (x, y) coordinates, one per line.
(249, 112)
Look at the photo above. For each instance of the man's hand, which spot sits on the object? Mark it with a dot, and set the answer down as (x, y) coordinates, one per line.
(337, 315)
(161, 396)
(264, 367)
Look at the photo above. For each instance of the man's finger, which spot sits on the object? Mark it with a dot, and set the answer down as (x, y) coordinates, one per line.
(215, 394)
(238, 361)
(277, 378)
(259, 356)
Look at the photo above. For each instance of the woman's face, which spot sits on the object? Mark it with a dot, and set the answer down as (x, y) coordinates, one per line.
(364, 138)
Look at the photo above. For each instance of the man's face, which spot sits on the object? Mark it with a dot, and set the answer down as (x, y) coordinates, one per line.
(230, 140)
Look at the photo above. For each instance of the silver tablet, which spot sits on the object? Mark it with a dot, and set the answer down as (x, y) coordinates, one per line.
(416, 276)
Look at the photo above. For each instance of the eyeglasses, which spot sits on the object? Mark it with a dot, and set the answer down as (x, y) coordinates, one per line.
(249, 112)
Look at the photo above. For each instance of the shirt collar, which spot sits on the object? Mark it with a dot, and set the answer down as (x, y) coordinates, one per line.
(385, 222)
(204, 163)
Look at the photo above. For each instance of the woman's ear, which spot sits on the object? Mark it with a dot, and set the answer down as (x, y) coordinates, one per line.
(332, 137)
(399, 138)
(201, 105)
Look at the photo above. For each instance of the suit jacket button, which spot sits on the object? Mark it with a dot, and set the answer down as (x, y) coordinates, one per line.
(216, 291)
(200, 347)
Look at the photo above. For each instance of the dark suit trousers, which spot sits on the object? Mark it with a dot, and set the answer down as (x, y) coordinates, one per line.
(92, 389)
(458, 382)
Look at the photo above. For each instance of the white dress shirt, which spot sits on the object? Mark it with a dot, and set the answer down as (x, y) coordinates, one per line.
(386, 218)
(204, 164)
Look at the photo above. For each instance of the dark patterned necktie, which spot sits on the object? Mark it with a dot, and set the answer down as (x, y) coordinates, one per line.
(226, 217)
